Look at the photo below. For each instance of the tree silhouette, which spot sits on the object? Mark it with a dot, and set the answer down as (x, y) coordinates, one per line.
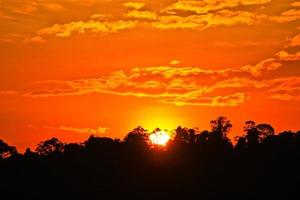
(194, 164)
(264, 130)
(254, 134)
(72, 149)
(221, 126)
(7, 151)
(202, 137)
(138, 136)
(182, 135)
(51, 146)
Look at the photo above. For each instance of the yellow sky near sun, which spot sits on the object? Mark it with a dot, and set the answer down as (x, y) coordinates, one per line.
(71, 68)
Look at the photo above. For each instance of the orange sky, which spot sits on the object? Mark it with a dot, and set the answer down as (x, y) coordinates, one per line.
(71, 68)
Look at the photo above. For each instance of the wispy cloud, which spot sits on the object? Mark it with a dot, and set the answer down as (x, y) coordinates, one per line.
(141, 14)
(286, 56)
(286, 89)
(134, 5)
(294, 41)
(200, 22)
(35, 39)
(99, 130)
(181, 85)
(296, 4)
(194, 100)
(203, 7)
(8, 92)
(181, 14)
(65, 30)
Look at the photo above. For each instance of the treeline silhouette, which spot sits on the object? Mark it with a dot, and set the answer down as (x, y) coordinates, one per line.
(193, 165)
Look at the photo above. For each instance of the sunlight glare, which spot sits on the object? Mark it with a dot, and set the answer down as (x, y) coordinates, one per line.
(159, 138)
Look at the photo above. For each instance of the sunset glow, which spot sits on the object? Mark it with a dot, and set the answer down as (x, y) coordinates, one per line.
(149, 99)
(159, 138)
(72, 68)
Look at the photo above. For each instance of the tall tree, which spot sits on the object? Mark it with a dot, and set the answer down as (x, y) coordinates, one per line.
(221, 126)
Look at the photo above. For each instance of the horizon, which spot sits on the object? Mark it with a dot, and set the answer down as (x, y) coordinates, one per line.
(155, 140)
(70, 69)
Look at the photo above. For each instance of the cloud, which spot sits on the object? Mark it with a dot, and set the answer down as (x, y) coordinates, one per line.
(215, 101)
(100, 16)
(286, 56)
(184, 85)
(99, 130)
(206, 6)
(181, 85)
(269, 64)
(134, 5)
(285, 17)
(292, 12)
(219, 18)
(8, 92)
(182, 14)
(174, 62)
(5, 40)
(52, 92)
(139, 14)
(28, 8)
(294, 41)
(229, 18)
(285, 97)
(66, 30)
(35, 39)
(173, 84)
(286, 89)
(272, 64)
(237, 82)
(119, 15)
(296, 4)
(168, 84)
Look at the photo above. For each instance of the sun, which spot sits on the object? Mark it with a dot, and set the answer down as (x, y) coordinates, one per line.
(159, 138)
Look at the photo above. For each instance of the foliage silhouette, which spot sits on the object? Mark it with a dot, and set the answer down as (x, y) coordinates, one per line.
(194, 165)
(51, 146)
(6, 150)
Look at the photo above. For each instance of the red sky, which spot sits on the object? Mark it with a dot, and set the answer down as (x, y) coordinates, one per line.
(72, 68)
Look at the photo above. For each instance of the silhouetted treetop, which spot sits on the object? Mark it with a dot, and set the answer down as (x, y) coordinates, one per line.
(51, 146)
(254, 134)
(221, 126)
(6, 150)
(138, 136)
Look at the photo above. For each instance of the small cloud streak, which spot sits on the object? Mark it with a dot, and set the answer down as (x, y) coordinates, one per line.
(296, 4)
(141, 14)
(286, 56)
(35, 39)
(216, 101)
(66, 30)
(286, 89)
(134, 5)
(8, 92)
(174, 62)
(206, 6)
(295, 41)
(99, 130)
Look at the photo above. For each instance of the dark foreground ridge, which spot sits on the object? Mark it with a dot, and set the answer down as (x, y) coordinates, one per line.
(193, 165)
